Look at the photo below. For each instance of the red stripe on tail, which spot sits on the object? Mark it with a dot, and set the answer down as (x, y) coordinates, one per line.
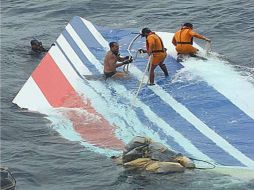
(60, 93)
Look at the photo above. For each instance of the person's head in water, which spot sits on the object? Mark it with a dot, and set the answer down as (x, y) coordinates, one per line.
(145, 31)
(37, 46)
(189, 25)
(114, 47)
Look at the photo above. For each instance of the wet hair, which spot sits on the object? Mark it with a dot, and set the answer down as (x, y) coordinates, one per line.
(111, 44)
(187, 24)
(145, 31)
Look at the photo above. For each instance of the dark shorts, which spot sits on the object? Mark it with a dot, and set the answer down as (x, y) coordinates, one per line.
(110, 74)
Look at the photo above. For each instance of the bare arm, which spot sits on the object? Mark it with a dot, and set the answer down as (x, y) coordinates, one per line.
(174, 41)
(121, 59)
(124, 60)
(119, 64)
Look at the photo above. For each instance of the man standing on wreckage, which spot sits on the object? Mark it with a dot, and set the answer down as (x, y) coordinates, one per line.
(154, 48)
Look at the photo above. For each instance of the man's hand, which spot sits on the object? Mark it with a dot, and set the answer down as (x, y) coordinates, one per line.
(208, 40)
(128, 58)
(126, 62)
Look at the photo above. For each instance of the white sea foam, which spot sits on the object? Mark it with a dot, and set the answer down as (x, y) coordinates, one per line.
(223, 77)
(219, 74)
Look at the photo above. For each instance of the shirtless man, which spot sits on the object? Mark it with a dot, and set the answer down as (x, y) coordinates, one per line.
(111, 59)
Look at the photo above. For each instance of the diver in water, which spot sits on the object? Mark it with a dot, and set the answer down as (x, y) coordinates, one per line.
(37, 46)
(183, 40)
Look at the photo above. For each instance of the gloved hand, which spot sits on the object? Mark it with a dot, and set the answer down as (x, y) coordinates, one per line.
(141, 51)
(129, 58)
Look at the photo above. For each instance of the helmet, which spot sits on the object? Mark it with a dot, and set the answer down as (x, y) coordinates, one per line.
(35, 42)
(145, 31)
(187, 24)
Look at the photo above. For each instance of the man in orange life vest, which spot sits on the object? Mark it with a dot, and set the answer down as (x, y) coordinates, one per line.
(183, 40)
(154, 46)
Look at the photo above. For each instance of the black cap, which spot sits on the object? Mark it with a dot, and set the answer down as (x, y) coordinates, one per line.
(145, 31)
(187, 24)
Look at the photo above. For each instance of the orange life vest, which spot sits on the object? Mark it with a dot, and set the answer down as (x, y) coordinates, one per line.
(183, 40)
(155, 46)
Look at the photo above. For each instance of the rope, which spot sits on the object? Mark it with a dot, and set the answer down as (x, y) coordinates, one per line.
(131, 43)
(203, 168)
(150, 67)
(143, 78)
(208, 47)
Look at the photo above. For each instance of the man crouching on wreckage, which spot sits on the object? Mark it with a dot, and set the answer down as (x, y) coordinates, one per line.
(145, 154)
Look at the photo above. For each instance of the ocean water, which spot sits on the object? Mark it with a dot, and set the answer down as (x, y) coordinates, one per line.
(38, 156)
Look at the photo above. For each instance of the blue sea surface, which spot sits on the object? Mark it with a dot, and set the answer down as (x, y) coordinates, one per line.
(37, 155)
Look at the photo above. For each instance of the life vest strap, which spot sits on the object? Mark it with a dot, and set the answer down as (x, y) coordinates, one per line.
(160, 50)
(183, 43)
(162, 46)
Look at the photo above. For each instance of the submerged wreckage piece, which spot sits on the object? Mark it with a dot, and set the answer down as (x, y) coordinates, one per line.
(145, 154)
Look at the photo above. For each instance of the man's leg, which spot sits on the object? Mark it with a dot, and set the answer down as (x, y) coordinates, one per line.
(118, 75)
(164, 68)
(151, 77)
